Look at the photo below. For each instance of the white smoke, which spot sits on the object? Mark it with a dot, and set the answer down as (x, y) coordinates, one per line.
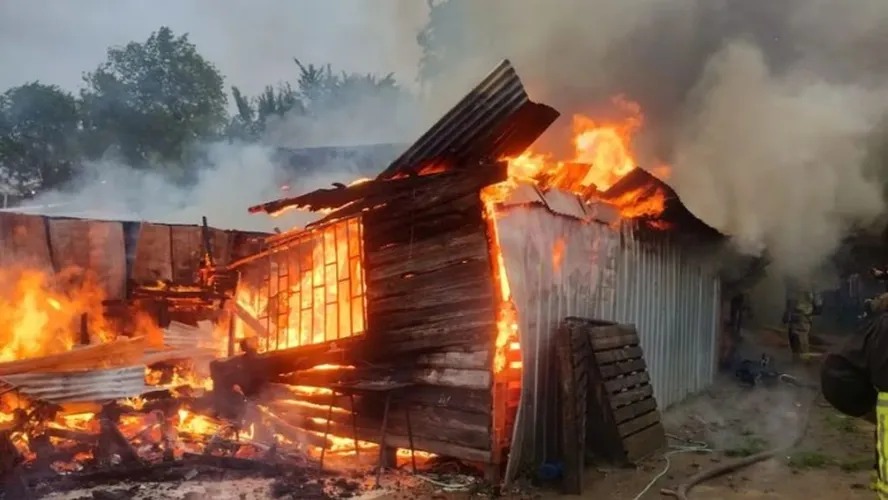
(765, 110)
(234, 177)
(777, 161)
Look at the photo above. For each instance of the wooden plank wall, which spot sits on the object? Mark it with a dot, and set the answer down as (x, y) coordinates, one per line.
(163, 252)
(24, 240)
(431, 309)
(94, 245)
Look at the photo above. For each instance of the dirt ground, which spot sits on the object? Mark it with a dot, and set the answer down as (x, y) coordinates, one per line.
(833, 460)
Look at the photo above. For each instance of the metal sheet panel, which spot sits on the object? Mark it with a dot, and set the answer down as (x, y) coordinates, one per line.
(547, 285)
(673, 301)
(181, 336)
(81, 386)
(494, 119)
(606, 273)
(564, 203)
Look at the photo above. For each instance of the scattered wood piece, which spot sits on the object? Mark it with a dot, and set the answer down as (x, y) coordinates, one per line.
(295, 433)
(120, 352)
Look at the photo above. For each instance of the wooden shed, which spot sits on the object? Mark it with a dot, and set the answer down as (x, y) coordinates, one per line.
(402, 275)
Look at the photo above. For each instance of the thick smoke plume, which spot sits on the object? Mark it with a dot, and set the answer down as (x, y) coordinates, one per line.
(230, 179)
(765, 110)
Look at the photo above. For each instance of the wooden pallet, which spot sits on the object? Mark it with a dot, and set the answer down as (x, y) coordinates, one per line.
(573, 358)
(622, 422)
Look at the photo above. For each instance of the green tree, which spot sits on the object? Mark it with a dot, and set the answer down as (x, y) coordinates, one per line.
(38, 137)
(318, 90)
(443, 39)
(249, 121)
(150, 101)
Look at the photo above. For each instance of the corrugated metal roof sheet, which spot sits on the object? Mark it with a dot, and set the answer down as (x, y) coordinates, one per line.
(681, 220)
(495, 119)
(181, 336)
(80, 386)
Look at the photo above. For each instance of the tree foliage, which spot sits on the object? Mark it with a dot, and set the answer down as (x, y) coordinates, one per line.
(150, 103)
(318, 91)
(38, 137)
(442, 39)
(151, 100)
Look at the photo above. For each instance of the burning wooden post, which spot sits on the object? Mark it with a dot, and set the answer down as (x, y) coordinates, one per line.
(11, 476)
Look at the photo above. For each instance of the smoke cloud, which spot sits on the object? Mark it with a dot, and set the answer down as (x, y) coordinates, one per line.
(232, 178)
(765, 110)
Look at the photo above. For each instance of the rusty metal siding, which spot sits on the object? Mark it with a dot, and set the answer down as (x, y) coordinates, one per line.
(608, 274)
(673, 301)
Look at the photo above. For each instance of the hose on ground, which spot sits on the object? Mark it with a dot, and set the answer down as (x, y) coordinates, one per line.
(683, 489)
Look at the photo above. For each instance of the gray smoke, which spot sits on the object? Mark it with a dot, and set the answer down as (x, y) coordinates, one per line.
(253, 46)
(765, 110)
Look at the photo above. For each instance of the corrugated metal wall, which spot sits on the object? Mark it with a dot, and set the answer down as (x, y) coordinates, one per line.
(674, 303)
(560, 266)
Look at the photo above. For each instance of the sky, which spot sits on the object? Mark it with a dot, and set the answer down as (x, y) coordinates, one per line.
(742, 99)
(252, 43)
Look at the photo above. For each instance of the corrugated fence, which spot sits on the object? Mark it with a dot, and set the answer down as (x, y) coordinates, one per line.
(561, 265)
(674, 303)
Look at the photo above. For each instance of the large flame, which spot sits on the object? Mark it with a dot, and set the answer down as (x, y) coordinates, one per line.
(602, 156)
(40, 313)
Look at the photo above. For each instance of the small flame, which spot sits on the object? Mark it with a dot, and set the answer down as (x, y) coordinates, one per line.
(557, 254)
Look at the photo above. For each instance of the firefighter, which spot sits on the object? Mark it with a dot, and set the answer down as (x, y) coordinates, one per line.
(802, 305)
(854, 380)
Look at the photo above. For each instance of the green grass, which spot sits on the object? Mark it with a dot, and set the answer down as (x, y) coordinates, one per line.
(749, 446)
(856, 464)
(841, 423)
(810, 460)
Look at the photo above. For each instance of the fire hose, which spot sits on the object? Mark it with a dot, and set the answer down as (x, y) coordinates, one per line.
(684, 488)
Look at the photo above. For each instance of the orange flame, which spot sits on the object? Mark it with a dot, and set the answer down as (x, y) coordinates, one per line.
(39, 312)
(557, 254)
(602, 156)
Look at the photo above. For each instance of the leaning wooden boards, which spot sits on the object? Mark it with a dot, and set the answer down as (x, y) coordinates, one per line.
(623, 423)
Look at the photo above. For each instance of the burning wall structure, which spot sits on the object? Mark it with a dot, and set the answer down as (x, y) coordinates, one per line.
(84, 305)
(472, 249)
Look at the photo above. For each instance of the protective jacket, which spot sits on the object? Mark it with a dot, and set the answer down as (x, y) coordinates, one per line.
(854, 380)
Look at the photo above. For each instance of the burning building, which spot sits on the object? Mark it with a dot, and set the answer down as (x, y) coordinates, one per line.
(97, 314)
(447, 275)
(418, 313)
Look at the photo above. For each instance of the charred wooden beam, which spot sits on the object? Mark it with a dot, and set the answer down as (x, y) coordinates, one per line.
(122, 351)
(251, 370)
(11, 474)
(354, 199)
(296, 434)
(436, 422)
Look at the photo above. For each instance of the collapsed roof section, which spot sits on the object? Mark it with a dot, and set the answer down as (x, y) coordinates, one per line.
(494, 120)
(675, 215)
